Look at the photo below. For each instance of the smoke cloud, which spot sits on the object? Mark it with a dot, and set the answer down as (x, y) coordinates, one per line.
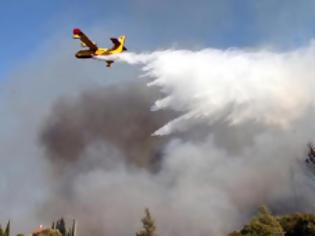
(253, 112)
(216, 134)
(118, 115)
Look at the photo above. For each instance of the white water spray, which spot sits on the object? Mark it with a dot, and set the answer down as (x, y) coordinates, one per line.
(234, 86)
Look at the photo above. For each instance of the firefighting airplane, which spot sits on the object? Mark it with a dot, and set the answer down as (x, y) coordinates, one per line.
(93, 50)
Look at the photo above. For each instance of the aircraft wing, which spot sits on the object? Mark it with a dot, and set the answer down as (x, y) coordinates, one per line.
(78, 34)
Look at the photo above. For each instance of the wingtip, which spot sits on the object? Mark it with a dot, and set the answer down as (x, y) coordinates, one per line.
(76, 31)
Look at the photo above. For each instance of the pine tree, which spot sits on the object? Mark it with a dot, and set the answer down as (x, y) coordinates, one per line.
(148, 225)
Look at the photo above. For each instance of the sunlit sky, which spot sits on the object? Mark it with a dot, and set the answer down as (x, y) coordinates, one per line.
(149, 25)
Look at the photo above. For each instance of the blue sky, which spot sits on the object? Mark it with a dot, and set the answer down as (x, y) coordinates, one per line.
(28, 24)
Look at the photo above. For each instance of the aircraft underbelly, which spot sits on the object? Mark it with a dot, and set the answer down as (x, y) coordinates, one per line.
(84, 54)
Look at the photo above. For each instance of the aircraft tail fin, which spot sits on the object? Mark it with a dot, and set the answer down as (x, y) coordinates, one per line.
(122, 40)
(119, 44)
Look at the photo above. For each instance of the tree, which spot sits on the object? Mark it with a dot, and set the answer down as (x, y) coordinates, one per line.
(61, 226)
(310, 154)
(48, 232)
(264, 224)
(6, 232)
(7, 229)
(298, 224)
(148, 225)
(235, 234)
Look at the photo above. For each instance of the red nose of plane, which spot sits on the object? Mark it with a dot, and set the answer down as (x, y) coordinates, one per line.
(76, 31)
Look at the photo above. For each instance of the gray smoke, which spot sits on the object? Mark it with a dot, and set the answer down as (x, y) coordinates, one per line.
(104, 131)
(235, 152)
(77, 144)
(117, 115)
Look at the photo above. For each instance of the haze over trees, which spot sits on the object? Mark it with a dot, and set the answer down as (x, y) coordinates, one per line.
(266, 224)
(148, 225)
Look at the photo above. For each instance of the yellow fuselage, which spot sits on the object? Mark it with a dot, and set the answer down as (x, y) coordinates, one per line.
(98, 52)
(102, 51)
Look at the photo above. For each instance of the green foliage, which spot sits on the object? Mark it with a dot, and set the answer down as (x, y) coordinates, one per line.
(235, 234)
(1, 231)
(58, 229)
(148, 225)
(48, 232)
(264, 224)
(298, 224)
